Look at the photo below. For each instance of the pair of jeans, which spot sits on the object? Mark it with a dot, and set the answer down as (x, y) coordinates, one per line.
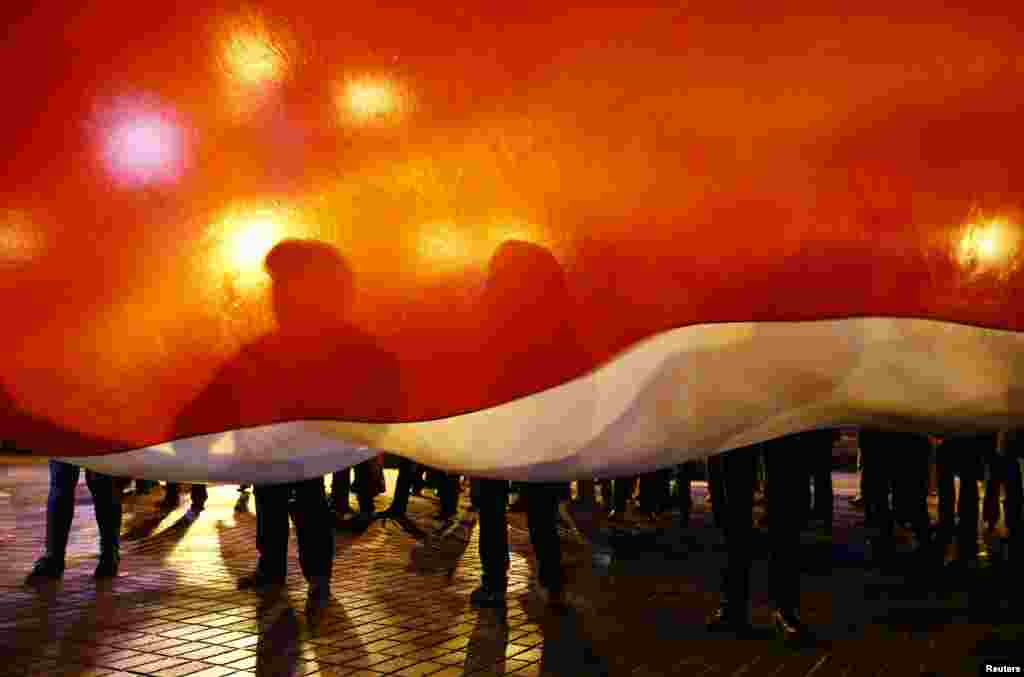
(542, 515)
(60, 507)
(306, 502)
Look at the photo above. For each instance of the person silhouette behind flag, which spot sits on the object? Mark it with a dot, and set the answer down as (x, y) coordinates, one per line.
(315, 364)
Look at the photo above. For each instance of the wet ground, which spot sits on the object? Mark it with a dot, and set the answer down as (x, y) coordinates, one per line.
(401, 603)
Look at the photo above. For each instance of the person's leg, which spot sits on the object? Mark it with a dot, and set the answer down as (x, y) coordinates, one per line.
(542, 518)
(685, 475)
(314, 529)
(716, 490)
(271, 535)
(449, 491)
(967, 505)
(824, 495)
(172, 496)
(787, 508)
(493, 543)
(738, 469)
(106, 498)
(199, 495)
(341, 487)
(944, 470)
(403, 486)
(624, 487)
(60, 509)
(1014, 505)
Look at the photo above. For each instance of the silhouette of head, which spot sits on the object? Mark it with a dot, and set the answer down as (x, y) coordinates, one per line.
(525, 275)
(311, 282)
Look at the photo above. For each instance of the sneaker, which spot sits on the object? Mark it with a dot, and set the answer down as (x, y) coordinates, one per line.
(46, 566)
(485, 597)
(109, 562)
(259, 581)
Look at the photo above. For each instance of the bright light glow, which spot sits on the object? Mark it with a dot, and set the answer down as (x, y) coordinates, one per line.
(370, 100)
(988, 242)
(246, 236)
(143, 143)
(20, 243)
(252, 58)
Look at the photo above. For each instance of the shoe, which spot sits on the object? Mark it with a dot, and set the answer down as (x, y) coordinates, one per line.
(857, 501)
(46, 566)
(487, 598)
(110, 560)
(259, 581)
(789, 628)
(552, 597)
(319, 595)
(723, 620)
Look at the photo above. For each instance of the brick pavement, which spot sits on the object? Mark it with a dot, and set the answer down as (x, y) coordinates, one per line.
(401, 605)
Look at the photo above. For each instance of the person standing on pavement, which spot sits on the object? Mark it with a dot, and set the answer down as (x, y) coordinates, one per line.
(60, 509)
(295, 372)
(786, 471)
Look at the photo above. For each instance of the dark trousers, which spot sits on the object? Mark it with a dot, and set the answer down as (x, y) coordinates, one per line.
(198, 491)
(654, 490)
(716, 488)
(624, 487)
(895, 463)
(542, 515)
(341, 487)
(448, 490)
(785, 475)
(737, 472)
(307, 504)
(407, 474)
(682, 496)
(961, 456)
(60, 507)
(823, 507)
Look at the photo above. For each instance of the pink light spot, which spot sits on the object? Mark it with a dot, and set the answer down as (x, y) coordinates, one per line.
(143, 144)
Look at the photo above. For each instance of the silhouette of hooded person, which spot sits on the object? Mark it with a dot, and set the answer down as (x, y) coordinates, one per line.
(529, 316)
(315, 364)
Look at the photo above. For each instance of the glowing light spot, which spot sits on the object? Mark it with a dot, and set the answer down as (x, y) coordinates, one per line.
(371, 100)
(252, 58)
(20, 242)
(988, 242)
(246, 236)
(143, 143)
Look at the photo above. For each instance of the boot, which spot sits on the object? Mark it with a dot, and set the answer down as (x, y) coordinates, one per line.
(47, 566)
(110, 560)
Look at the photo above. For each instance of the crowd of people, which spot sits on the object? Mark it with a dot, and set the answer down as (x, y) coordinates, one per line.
(898, 472)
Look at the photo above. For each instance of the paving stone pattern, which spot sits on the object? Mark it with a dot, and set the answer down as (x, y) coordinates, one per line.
(401, 605)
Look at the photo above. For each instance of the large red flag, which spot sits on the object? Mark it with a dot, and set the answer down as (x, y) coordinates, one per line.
(264, 240)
